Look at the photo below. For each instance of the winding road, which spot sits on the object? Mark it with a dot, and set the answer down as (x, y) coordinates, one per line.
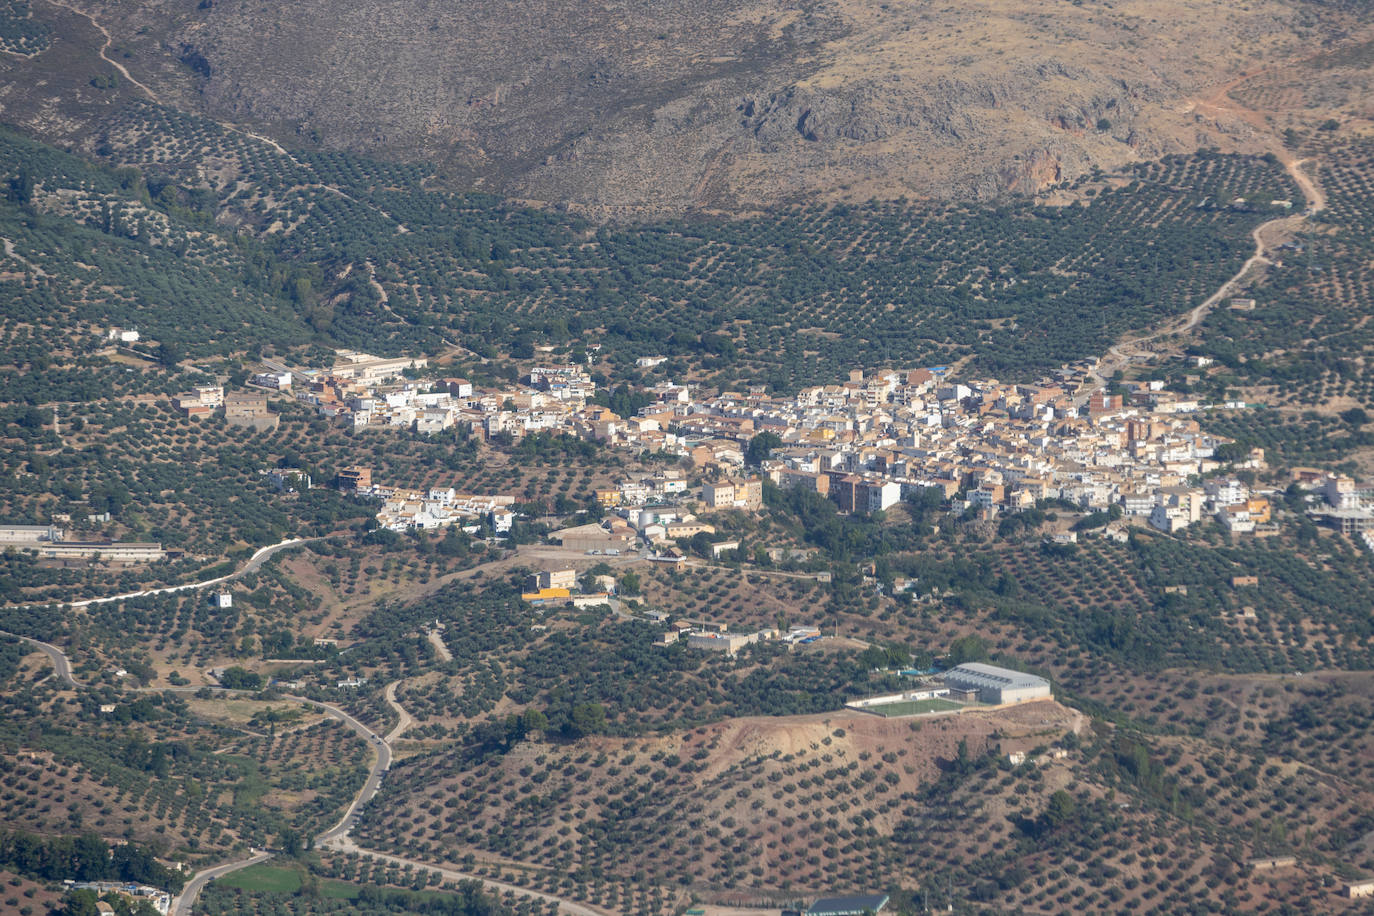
(1121, 354)
(152, 96)
(54, 654)
(336, 837)
(403, 718)
(182, 904)
(261, 556)
(380, 765)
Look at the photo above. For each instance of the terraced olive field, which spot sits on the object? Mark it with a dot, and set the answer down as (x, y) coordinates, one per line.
(1199, 723)
(155, 773)
(1307, 343)
(367, 254)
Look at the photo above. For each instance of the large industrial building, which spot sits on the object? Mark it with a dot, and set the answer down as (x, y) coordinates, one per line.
(351, 364)
(590, 538)
(113, 551)
(997, 685)
(30, 535)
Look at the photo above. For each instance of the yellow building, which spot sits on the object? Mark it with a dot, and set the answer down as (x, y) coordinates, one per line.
(544, 594)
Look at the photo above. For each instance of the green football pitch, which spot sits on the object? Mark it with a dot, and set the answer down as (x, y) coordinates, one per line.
(914, 707)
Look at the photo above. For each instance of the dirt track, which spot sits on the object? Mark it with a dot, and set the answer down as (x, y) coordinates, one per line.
(152, 96)
(1122, 354)
(1220, 105)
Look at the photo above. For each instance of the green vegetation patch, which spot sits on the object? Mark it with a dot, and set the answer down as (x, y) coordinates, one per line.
(300, 891)
(372, 255)
(20, 32)
(268, 878)
(914, 708)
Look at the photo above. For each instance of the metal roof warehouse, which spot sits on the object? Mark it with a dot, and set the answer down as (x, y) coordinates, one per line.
(997, 685)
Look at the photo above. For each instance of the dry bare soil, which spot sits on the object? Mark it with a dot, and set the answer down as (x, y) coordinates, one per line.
(745, 806)
(627, 108)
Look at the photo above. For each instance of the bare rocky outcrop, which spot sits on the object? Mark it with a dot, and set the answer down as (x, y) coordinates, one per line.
(631, 107)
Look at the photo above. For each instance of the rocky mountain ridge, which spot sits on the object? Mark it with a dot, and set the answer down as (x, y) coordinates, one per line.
(633, 107)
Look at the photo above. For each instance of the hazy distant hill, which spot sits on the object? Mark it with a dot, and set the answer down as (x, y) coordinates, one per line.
(665, 105)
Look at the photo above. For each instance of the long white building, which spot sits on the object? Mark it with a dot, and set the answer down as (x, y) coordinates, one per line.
(997, 685)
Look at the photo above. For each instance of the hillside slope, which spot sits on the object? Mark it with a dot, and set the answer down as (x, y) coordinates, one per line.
(634, 107)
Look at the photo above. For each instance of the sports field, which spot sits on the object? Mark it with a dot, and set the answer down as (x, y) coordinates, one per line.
(914, 707)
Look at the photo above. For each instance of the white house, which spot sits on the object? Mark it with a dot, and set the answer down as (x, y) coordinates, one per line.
(277, 380)
(1236, 519)
(1170, 518)
(1225, 491)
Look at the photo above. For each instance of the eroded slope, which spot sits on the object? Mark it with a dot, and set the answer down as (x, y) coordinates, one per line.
(637, 107)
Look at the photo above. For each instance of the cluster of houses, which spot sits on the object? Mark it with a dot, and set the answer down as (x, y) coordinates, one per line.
(1225, 499)
(876, 438)
(200, 401)
(438, 507)
(244, 408)
(870, 442)
(1345, 505)
(561, 586)
(158, 899)
(361, 391)
(656, 527)
(665, 485)
(653, 507)
(988, 446)
(717, 637)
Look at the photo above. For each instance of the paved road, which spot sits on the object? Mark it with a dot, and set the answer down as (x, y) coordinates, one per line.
(382, 762)
(183, 903)
(380, 765)
(336, 836)
(54, 654)
(259, 557)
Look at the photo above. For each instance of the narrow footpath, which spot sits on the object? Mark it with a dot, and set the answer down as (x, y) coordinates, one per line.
(104, 48)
